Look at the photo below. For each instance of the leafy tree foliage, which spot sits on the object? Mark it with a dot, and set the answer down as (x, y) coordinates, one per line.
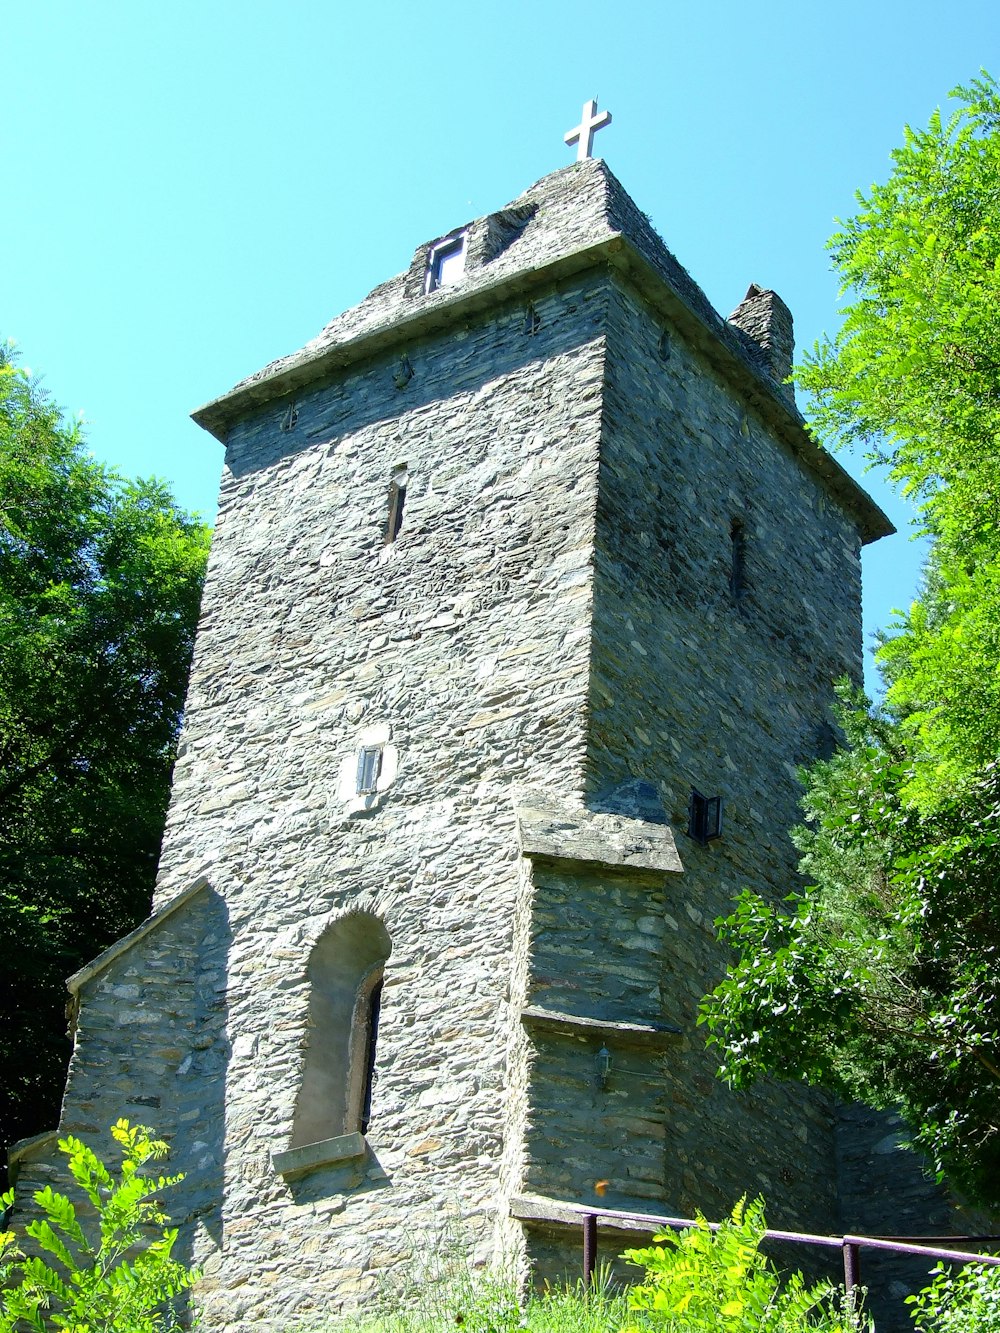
(914, 374)
(966, 1301)
(881, 980)
(100, 581)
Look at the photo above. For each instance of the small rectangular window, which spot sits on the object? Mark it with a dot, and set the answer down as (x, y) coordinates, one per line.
(369, 768)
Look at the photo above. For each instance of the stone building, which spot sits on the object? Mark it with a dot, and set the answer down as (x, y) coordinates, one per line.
(526, 577)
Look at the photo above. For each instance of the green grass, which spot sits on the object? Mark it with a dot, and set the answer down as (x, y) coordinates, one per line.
(469, 1302)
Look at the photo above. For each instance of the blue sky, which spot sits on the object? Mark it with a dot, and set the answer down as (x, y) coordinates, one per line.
(192, 190)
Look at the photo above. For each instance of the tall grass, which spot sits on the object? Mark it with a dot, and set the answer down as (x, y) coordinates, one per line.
(461, 1300)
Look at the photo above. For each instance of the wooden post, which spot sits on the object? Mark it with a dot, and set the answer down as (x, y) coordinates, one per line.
(852, 1268)
(589, 1249)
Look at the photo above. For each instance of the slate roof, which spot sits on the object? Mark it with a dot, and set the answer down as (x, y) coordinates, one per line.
(570, 220)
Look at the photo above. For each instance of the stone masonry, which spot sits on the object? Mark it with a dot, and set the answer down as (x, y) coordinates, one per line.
(550, 545)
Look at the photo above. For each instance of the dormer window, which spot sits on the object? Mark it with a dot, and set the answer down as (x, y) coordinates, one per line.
(445, 262)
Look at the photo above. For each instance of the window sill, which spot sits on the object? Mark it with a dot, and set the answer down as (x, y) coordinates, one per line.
(328, 1152)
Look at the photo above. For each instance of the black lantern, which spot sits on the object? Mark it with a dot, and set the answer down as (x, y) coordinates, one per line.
(704, 817)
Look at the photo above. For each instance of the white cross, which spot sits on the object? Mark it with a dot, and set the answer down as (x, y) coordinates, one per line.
(583, 135)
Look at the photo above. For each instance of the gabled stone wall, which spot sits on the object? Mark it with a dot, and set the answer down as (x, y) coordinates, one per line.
(151, 1046)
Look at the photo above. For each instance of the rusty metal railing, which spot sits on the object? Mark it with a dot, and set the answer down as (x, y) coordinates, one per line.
(849, 1245)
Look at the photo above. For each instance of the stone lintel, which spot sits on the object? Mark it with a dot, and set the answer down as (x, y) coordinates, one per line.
(103, 960)
(327, 1152)
(26, 1150)
(632, 1034)
(541, 1211)
(560, 833)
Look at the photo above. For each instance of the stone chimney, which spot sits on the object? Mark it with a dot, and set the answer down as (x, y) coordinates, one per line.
(764, 317)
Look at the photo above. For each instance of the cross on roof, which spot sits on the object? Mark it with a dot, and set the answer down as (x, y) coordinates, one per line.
(590, 121)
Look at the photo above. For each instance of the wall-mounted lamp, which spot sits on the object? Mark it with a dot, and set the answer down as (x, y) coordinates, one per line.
(603, 1066)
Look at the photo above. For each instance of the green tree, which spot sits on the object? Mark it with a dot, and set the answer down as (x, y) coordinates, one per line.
(881, 979)
(100, 581)
(117, 1275)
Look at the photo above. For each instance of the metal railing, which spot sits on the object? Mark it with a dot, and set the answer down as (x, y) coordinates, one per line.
(850, 1246)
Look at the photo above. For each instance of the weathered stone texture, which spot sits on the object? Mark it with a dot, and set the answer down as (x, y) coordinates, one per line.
(886, 1185)
(699, 683)
(696, 681)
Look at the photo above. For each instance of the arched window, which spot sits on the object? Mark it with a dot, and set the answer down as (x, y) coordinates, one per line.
(346, 969)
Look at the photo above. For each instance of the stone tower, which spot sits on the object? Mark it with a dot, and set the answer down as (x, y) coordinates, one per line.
(526, 576)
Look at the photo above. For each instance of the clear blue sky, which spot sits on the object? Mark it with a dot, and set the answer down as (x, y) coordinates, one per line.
(192, 190)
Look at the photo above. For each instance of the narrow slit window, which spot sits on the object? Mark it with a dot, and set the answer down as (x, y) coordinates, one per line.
(369, 768)
(738, 559)
(397, 497)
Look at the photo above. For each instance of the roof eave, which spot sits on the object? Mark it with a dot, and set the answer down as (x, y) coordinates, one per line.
(460, 302)
(716, 340)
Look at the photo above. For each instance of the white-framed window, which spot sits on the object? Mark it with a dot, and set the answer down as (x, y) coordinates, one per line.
(445, 262)
(369, 768)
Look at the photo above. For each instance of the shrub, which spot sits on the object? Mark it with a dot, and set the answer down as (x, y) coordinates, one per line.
(118, 1276)
(964, 1302)
(720, 1282)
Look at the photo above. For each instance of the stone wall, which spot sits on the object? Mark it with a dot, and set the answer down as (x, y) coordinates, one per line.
(710, 669)
(886, 1187)
(713, 670)
(597, 952)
